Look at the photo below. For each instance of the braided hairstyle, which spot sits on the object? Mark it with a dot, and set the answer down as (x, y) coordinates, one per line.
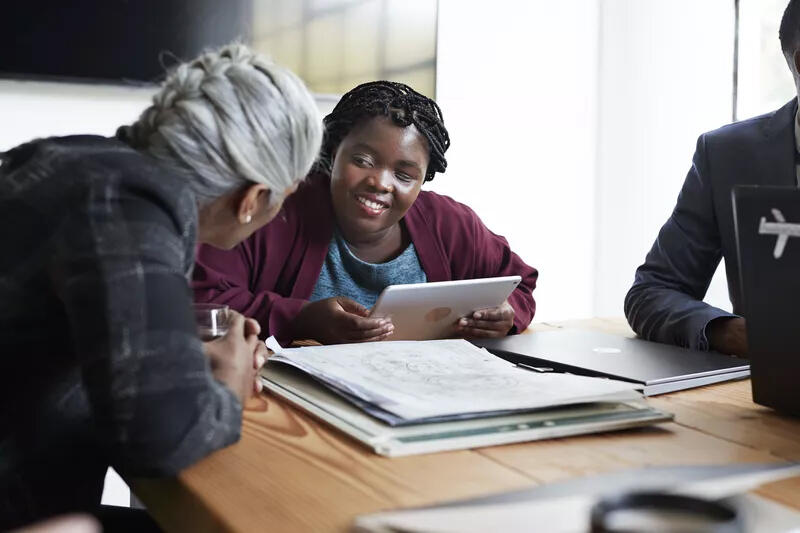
(229, 118)
(401, 104)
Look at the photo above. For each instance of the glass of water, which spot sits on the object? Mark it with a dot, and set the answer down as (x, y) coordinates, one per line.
(212, 320)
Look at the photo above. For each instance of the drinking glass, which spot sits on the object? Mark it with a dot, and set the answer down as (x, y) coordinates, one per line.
(212, 320)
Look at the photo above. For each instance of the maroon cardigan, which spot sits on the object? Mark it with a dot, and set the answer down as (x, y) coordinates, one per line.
(271, 275)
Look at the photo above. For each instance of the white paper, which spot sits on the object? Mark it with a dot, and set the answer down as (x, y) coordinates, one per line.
(570, 514)
(420, 379)
(562, 515)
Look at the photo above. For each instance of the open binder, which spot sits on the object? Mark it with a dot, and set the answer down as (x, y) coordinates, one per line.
(368, 405)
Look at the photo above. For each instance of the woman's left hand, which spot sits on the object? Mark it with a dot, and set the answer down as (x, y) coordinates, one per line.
(492, 322)
(252, 327)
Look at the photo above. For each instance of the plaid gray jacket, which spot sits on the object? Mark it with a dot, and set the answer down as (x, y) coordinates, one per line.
(98, 353)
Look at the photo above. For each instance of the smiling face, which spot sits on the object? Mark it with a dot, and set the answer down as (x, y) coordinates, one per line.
(377, 172)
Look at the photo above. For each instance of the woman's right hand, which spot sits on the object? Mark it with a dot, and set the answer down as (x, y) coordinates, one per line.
(237, 356)
(339, 320)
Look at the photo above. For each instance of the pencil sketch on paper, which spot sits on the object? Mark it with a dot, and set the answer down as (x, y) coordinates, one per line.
(415, 379)
(447, 375)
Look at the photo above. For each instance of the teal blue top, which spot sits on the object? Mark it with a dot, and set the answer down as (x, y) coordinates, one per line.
(344, 274)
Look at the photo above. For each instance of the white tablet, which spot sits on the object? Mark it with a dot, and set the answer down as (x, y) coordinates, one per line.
(424, 311)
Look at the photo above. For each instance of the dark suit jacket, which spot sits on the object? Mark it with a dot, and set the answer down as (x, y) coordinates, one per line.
(665, 302)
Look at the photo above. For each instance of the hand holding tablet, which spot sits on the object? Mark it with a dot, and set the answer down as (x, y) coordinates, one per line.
(339, 320)
(494, 322)
(423, 311)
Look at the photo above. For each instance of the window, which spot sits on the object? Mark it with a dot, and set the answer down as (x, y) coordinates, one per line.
(764, 81)
(336, 44)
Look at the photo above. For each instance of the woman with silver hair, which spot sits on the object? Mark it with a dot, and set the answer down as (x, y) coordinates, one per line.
(98, 345)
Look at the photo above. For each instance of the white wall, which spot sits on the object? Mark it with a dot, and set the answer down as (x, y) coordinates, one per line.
(666, 77)
(573, 126)
(31, 109)
(38, 109)
(765, 82)
(517, 83)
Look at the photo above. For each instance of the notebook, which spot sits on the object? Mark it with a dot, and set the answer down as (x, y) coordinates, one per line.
(406, 397)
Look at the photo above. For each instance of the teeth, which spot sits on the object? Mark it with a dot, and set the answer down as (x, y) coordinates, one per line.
(369, 203)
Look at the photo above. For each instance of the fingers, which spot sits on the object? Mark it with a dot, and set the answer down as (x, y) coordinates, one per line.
(260, 355)
(236, 326)
(485, 324)
(251, 327)
(382, 331)
(259, 359)
(493, 323)
(351, 306)
(355, 328)
(357, 323)
(504, 312)
(483, 333)
(372, 339)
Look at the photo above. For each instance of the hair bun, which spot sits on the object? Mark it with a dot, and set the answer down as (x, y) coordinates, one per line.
(231, 117)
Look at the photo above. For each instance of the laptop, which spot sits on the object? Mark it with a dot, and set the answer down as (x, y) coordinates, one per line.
(767, 221)
(658, 368)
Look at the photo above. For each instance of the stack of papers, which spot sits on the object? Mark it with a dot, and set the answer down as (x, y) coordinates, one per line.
(405, 396)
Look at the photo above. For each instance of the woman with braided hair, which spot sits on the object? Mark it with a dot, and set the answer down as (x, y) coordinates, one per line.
(98, 343)
(360, 223)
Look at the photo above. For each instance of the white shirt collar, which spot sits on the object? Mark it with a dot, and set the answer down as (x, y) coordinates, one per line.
(797, 131)
(797, 145)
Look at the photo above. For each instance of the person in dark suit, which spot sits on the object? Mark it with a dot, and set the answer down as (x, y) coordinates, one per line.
(665, 302)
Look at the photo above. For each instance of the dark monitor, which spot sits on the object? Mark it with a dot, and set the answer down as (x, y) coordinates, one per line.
(767, 221)
(113, 40)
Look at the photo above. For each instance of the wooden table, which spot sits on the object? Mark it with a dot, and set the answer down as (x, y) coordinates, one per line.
(292, 473)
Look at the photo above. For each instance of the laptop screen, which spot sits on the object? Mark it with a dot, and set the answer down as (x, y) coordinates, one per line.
(767, 221)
